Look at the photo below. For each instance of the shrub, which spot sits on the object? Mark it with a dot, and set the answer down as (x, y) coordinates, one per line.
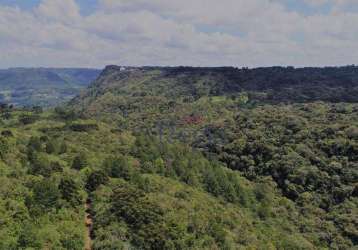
(7, 133)
(26, 119)
(83, 127)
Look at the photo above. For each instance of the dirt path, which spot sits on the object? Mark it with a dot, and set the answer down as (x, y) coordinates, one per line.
(88, 224)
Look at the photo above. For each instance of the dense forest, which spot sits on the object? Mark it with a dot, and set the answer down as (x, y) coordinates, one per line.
(186, 158)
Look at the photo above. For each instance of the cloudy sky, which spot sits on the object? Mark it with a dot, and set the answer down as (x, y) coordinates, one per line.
(95, 33)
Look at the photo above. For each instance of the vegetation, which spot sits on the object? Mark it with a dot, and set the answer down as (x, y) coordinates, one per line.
(43, 86)
(164, 160)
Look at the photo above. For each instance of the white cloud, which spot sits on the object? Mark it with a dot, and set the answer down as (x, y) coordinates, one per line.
(316, 3)
(65, 11)
(177, 32)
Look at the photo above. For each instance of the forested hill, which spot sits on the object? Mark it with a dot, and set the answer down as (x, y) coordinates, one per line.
(185, 158)
(269, 85)
(295, 129)
(43, 86)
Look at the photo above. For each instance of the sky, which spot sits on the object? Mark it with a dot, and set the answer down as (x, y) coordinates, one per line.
(242, 33)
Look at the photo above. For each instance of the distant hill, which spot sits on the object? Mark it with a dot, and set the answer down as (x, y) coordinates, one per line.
(43, 86)
(123, 90)
(265, 85)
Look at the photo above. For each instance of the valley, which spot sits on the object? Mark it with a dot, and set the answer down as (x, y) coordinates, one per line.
(45, 87)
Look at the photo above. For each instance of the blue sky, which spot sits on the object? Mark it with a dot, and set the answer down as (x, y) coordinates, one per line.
(89, 6)
(93, 33)
(302, 7)
(86, 6)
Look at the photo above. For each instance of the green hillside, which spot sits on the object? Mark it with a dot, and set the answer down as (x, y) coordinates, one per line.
(298, 127)
(51, 165)
(186, 158)
(43, 86)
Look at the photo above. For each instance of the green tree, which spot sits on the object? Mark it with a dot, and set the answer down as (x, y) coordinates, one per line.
(45, 195)
(70, 191)
(144, 217)
(35, 143)
(50, 147)
(63, 148)
(211, 183)
(4, 147)
(28, 238)
(80, 161)
(96, 179)
(243, 98)
(119, 167)
(160, 165)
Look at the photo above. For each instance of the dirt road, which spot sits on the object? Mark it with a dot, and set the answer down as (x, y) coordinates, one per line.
(88, 224)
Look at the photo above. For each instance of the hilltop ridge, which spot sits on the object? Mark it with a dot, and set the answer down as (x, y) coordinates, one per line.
(268, 85)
